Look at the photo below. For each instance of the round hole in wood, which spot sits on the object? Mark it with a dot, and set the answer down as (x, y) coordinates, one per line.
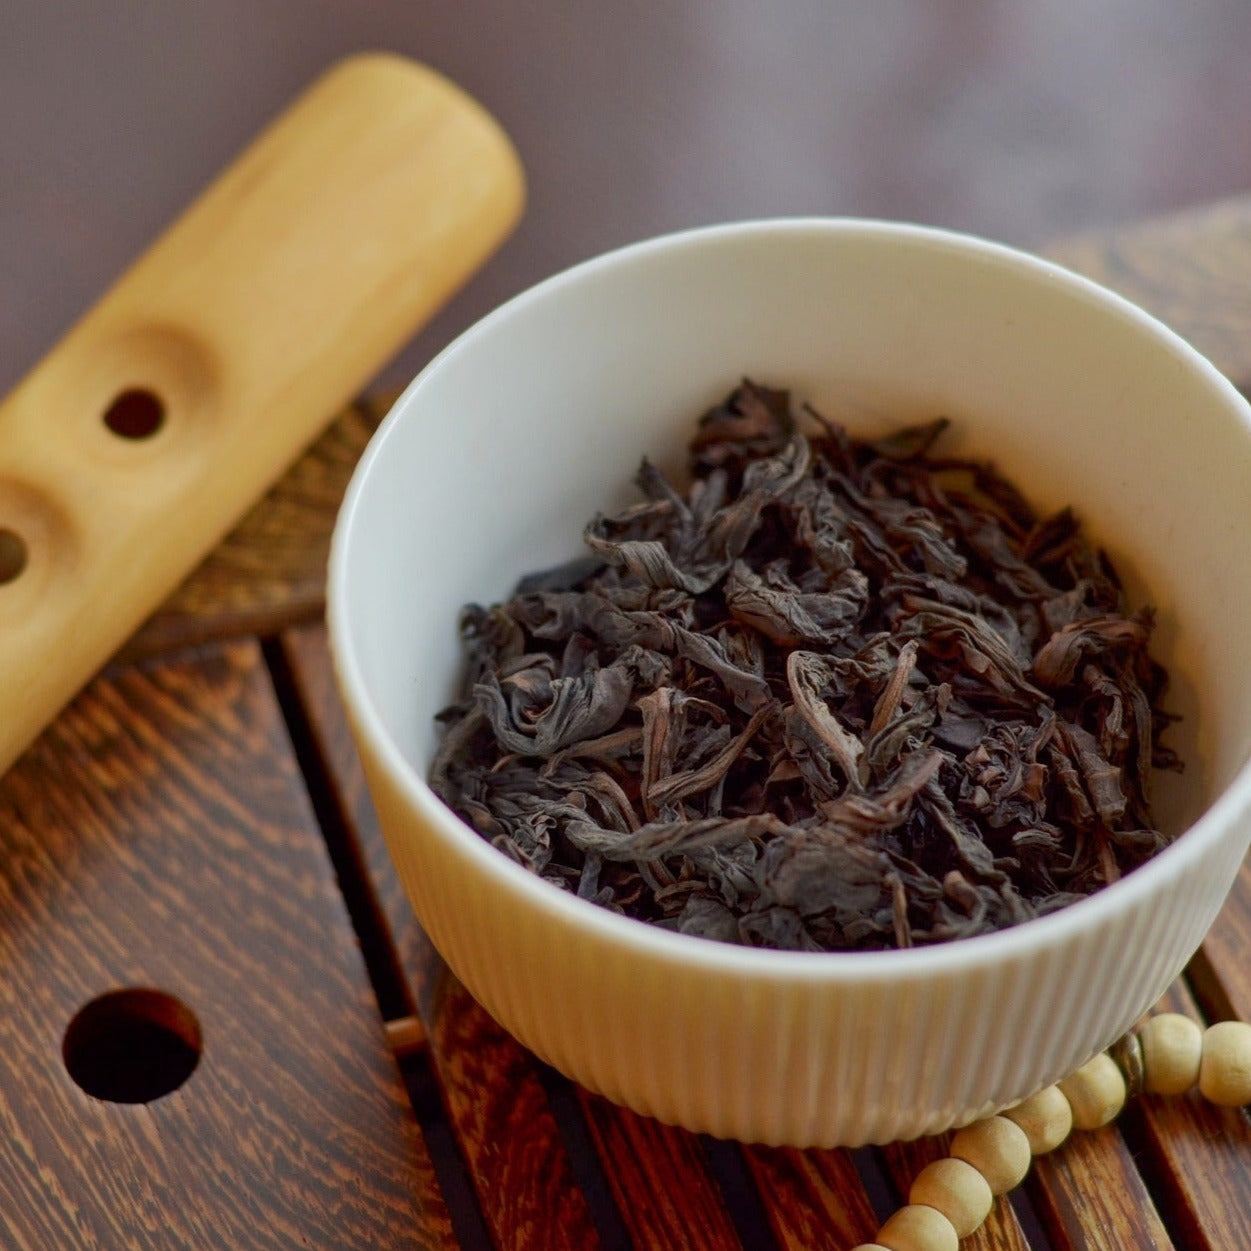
(12, 555)
(132, 1045)
(136, 413)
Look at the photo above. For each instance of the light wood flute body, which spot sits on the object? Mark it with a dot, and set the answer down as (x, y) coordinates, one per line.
(258, 314)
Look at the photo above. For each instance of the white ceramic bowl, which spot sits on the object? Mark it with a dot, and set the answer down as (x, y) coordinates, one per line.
(537, 417)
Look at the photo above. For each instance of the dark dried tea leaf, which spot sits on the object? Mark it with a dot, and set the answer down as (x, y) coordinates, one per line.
(837, 695)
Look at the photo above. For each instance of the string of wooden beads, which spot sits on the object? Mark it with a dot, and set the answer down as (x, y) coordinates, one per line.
(1169, 1055)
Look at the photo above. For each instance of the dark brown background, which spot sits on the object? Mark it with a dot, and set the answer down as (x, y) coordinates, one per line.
(1018, 121)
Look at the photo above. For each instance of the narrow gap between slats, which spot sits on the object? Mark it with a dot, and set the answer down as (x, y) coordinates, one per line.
(738, 1189)
(879, 1186)
(584, 1160)
(382, 963)
(1028, 1219)
(468, 1223)
(381, 960)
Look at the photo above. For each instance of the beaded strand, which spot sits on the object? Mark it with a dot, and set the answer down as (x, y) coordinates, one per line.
(1169, 1055)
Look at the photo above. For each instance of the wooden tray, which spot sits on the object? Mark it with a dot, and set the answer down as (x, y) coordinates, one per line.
(196, 823)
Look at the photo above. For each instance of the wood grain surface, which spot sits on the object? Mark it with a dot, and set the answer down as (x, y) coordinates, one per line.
(197, 822)
(814, 1199)
(159, 835)
(660, 1180)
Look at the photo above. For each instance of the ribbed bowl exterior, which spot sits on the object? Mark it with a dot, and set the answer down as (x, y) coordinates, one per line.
(819, 1060)
(504, 446)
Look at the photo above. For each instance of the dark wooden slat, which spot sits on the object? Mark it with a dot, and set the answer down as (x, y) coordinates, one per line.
(158, 835)
(659, 1179)
(506, 1129)
(1091, 1197)
(1201, 1171)
(815, 1200)
(505, 1126)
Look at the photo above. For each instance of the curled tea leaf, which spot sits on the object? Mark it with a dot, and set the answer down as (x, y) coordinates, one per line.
(833, 695)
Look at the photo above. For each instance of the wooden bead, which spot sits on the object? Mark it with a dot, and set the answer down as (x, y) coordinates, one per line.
(957, 1190)
(1172, 1047)
(1096, 1091)
(1046, 1118)
(1225, 1068)
(997, 1148)
(918, 1228)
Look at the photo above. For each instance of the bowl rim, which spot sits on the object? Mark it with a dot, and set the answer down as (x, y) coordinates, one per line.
(1231, 805)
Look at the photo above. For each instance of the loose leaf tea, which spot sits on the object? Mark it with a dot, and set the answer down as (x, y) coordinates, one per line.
(838, 694)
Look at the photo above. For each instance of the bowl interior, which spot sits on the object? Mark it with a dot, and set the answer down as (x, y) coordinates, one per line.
(501, 450)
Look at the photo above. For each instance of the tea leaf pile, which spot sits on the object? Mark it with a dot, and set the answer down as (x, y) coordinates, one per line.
(836, 695)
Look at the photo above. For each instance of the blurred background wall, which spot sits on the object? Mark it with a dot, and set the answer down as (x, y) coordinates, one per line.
(1020, 121)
